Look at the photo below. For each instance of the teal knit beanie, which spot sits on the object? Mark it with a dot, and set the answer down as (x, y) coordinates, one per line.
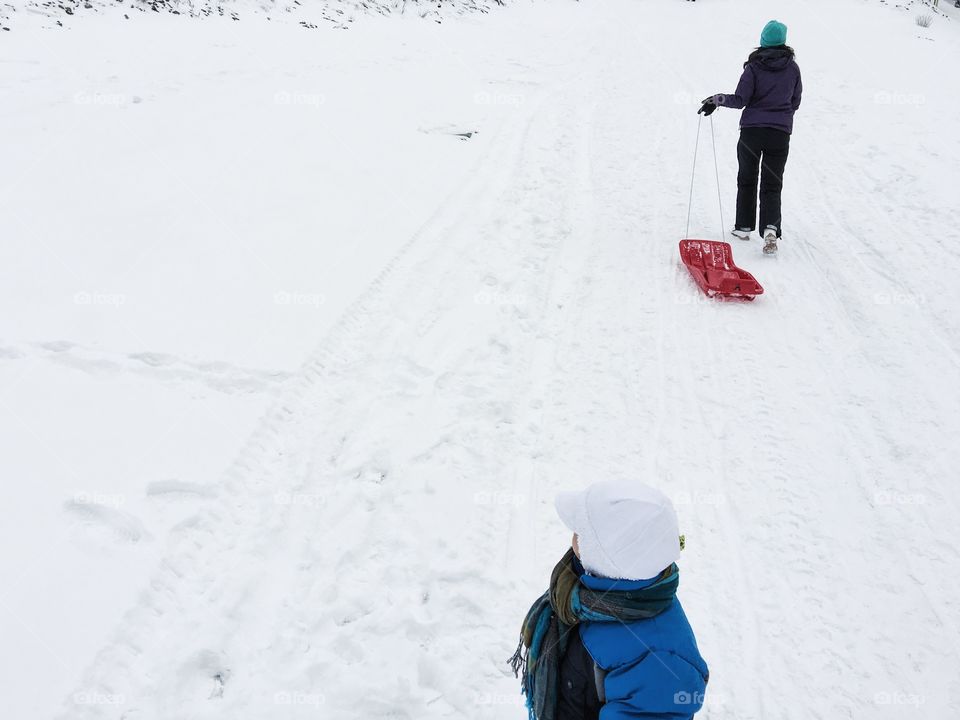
(774, 34)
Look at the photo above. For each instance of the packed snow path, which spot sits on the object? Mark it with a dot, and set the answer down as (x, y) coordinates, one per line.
(372, 549)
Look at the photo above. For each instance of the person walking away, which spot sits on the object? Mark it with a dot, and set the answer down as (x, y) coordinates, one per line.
(609, 638)
(769, 93)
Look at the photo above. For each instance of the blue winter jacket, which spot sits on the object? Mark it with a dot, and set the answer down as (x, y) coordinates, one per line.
(769, 91)
(652, 668)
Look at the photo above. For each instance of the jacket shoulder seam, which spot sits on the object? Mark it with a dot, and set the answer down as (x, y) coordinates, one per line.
(644, 656)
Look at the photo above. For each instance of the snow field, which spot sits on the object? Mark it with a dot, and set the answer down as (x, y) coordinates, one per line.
(503, 317)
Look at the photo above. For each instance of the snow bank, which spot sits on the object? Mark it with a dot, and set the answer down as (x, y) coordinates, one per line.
(339, 13)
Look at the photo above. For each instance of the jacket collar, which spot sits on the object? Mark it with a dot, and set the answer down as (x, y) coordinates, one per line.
(601, 583)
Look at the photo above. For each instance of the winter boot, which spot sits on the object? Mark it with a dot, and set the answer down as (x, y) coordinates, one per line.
(770, 240)
(741, 233)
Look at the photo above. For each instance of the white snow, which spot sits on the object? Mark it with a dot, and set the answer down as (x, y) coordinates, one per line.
(291, 369)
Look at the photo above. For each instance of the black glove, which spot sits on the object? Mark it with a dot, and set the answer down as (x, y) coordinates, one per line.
(708, 107)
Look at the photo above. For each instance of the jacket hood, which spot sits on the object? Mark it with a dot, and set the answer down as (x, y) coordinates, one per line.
(775, 58)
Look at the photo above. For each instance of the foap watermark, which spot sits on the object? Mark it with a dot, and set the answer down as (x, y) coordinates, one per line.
(296, 697)
(897, 697)
(692, 298)
(302, 99)
(688, 698)
(101, 99)
(485, 97)
(95, 697)
(98, 299)
(511, 699)
(699, 498)
(297, 498)
(499, 299)
(97, 498)
(498, 497)
(298, 299)
(894, 497)
(885, 97)
(900, 299)
(685, 98)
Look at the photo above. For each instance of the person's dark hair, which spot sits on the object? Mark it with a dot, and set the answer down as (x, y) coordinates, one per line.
(782, 49)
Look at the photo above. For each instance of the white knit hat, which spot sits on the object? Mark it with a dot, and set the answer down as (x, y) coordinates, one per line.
(625, 530)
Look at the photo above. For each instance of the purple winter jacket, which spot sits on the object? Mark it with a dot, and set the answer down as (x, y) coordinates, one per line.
(769, 90)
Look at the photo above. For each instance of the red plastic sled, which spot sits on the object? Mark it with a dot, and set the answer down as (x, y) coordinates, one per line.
(712, 267)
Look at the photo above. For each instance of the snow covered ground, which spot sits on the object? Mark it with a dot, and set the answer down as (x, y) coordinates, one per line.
(291, 367)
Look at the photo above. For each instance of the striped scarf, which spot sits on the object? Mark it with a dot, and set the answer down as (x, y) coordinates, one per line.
(546, 628)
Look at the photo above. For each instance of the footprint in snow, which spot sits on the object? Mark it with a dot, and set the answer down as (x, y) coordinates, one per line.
(57, 346)
(100, 515)
(154, 359)
(10, 353)
(204, 675)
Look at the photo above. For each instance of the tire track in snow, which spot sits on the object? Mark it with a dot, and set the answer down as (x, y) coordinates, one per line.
(250, 504)
(307, 448)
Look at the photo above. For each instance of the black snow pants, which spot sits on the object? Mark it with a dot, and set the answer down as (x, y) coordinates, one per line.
(762, 153)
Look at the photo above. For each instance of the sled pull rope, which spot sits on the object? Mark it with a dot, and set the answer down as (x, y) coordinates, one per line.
(693, 175)
(716, 170)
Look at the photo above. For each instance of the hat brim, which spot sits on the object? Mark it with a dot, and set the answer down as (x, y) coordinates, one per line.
(572, 509)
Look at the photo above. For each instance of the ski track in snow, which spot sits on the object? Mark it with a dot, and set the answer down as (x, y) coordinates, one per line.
(373, 548)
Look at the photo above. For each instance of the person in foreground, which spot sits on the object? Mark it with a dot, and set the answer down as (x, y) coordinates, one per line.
(609, 638)
(769, 93)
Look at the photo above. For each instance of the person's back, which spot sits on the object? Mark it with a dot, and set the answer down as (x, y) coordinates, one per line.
(769, 92)
(659, 655)
(775, 93)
